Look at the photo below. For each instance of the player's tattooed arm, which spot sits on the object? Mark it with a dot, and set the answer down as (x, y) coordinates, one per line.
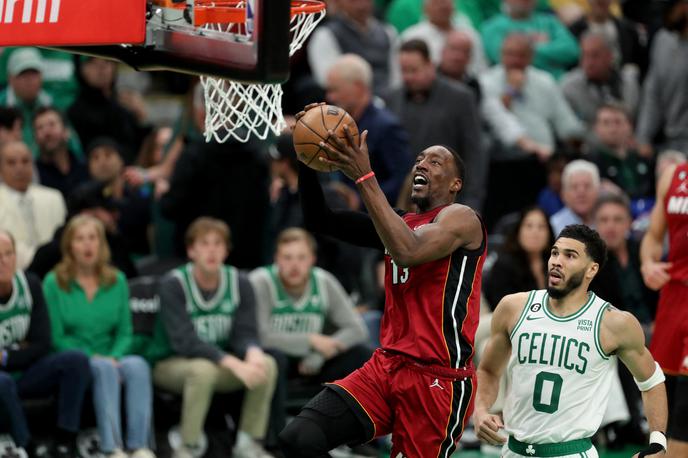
(622, 335)
(492, 364)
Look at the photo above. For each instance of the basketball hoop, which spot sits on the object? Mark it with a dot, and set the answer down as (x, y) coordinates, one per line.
(236, 109)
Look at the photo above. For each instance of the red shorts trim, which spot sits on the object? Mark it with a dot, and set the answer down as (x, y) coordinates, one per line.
(425, 412)
(669, 345)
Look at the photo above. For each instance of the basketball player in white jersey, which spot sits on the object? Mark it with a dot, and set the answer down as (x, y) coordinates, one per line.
(561, 346)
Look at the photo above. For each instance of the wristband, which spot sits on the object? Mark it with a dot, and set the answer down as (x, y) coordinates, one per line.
(360, 180)
(658, 443)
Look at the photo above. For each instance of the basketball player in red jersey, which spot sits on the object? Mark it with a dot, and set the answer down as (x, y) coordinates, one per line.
(420, 384)
(669, 343)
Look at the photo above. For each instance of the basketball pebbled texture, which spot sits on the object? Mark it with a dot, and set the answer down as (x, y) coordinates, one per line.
(312, 128)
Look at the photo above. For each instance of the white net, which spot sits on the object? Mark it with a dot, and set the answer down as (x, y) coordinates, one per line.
(242, 110)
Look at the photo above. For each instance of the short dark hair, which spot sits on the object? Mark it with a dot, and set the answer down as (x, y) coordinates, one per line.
(43, 110)
(611, 198)
(416, 45)
(8, 116)
(594, 245)
(458, 162)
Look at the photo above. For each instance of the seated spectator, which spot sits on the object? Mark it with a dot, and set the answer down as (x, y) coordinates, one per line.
(612, 215)
(554, 48)
(549, 198)
(502, 124)
(96, 111)
(438, 111)
(349, 83)
(208, 342)
(663, 114)
(59, 74)
(106, 165)
(624, 36)
(93, 199)
(597, 81)
(305, 318)
(616, 158)
(31, 211)
(580, 187)
(531, 95)
(10, 124)
(58, 166)
(521, 263)
(354, 29)
(25, 89)
(440, 20)
(88, 301)
(28, 369)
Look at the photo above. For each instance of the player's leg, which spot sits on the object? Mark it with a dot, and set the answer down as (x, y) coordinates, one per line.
(325, 423)
(431, 414)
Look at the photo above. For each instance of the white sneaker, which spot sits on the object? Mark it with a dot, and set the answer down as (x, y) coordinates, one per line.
(143, 453)
(246, 447)
(117, 453)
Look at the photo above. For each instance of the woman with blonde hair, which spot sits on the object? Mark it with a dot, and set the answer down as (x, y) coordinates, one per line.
(88, 301)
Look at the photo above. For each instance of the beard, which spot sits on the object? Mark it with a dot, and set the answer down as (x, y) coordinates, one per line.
(422, 203)
(564, 290)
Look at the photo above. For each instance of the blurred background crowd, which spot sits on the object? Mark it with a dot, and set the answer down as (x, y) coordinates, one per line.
(565, 111)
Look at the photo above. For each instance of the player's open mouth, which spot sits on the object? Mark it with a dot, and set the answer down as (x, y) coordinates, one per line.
(419, 181)
(555, 277)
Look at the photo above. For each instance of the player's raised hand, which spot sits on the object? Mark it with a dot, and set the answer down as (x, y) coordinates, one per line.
(350, 157)
(300, 114)
(487, 428)
(655, 274)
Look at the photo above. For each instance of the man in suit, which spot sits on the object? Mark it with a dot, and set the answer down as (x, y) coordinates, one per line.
(30, 211)
(437, 111)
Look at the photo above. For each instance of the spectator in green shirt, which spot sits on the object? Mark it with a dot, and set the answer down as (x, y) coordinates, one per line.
(555, 48)
(89, 311)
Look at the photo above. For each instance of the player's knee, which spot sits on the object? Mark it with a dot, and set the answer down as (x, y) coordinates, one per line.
(303, 438)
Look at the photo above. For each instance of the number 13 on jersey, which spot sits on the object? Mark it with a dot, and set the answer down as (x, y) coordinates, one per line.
(399, 275)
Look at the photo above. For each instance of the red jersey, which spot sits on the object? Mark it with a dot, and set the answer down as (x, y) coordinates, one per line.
(676, 207)
(432, 309)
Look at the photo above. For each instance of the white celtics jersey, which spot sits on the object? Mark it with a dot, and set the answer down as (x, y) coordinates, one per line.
(559, 375)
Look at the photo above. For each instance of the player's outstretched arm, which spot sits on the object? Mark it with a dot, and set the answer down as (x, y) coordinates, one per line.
(654, 271)
(622, 334)
(492, 365)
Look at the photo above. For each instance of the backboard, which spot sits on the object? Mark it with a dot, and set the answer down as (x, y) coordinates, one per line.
(160, 34)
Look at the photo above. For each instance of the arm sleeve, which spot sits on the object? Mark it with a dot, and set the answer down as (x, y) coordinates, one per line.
(290, 343)
(244, 329)
(38, 340)
(560, 50)
(341, 313)
(323, 50)
(178, 326)
(353, 227)
(125, 332)
(503, 124)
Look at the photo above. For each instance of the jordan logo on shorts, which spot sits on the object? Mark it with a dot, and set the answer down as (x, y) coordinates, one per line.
(436, 384)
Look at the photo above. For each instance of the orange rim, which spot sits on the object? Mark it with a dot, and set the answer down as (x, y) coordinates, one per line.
(229, 11)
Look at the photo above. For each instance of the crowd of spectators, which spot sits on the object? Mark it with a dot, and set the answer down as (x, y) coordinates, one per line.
(564, 111)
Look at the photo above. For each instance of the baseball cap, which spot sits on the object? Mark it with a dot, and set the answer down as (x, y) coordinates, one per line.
(23, 59)
(92, 194)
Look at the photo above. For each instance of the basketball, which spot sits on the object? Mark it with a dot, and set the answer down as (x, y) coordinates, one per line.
(312, 128)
